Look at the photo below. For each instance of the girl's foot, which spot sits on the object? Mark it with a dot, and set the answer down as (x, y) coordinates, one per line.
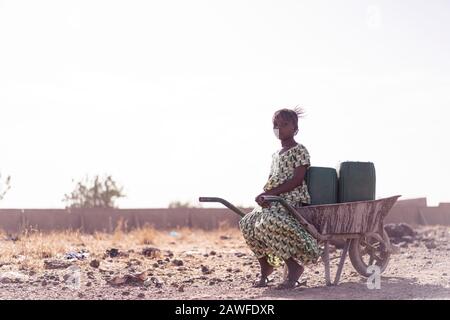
(261, 283)
(266, 270)
(295, 271)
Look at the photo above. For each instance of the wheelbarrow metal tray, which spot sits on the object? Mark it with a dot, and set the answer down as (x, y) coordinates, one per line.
(357, 217)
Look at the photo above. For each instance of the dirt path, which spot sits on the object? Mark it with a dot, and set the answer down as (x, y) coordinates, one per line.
(199, 265)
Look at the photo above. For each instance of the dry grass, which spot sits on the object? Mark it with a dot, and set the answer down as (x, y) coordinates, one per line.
(32, 247)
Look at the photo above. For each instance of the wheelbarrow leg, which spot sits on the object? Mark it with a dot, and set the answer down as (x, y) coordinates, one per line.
(341, 262)
(326, 262)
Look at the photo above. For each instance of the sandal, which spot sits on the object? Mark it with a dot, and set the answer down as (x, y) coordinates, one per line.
(290, 284)
(261, 283)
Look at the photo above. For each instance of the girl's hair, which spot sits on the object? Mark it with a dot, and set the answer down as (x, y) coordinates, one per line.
(290, 115)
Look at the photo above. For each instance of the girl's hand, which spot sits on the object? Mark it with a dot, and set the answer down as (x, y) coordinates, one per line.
(259, 201)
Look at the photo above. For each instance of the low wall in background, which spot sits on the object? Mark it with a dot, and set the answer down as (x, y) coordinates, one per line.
(413, 211)
(107, 220)
(416, 212)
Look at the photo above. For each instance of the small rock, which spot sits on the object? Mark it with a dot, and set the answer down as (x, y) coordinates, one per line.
(113, 252)
(153, 280)
(229, 270)
(189, 281)
(430, 245)
(444, 274)
(169, 254)
(134, 262)
(125, 293)
(213, 253)
(239, 254)
(151, 252)
(399, 230)
(181, 288)
(206, 270)
(95, 263)
(89, 284)
(141, 295)
(129, 279)
(56, 264)
(225, 237)
(177, 262)
(206, 255)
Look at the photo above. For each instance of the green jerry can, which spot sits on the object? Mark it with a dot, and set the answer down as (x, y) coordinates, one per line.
(322, 185)
(356, 181)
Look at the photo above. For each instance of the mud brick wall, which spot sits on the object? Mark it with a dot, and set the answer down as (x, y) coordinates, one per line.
(416, 212)
(106, 220)
(412, 211)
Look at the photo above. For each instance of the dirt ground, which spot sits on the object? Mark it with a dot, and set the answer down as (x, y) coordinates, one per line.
(195, 264)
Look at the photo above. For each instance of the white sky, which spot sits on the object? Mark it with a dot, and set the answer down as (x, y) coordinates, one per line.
(175, 98)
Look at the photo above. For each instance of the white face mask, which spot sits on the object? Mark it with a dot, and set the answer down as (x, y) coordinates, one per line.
(277, 133)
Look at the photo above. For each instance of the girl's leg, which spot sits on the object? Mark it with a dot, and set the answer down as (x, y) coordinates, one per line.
(266, 270)
(295, 270)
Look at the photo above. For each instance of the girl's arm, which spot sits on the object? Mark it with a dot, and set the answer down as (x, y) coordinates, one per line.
(288, 185)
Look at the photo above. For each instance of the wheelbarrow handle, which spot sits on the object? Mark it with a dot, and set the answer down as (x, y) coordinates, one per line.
(222, 201)
(308, 226)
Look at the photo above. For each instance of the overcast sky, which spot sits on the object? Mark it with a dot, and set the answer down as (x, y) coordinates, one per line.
(175, 98)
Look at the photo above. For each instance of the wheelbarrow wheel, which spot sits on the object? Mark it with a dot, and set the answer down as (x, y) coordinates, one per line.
(367, 251)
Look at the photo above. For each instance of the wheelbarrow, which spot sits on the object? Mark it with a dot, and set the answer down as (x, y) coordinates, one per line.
(359, 224)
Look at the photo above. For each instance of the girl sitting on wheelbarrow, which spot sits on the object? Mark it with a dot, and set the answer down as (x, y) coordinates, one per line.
(269, 230)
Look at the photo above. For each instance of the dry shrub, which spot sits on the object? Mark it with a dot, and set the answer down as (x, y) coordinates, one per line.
(145, 235)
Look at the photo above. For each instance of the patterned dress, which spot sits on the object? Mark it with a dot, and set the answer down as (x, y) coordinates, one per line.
(273, 231)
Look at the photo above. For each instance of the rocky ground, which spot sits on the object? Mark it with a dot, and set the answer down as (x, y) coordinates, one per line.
(195, 264)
